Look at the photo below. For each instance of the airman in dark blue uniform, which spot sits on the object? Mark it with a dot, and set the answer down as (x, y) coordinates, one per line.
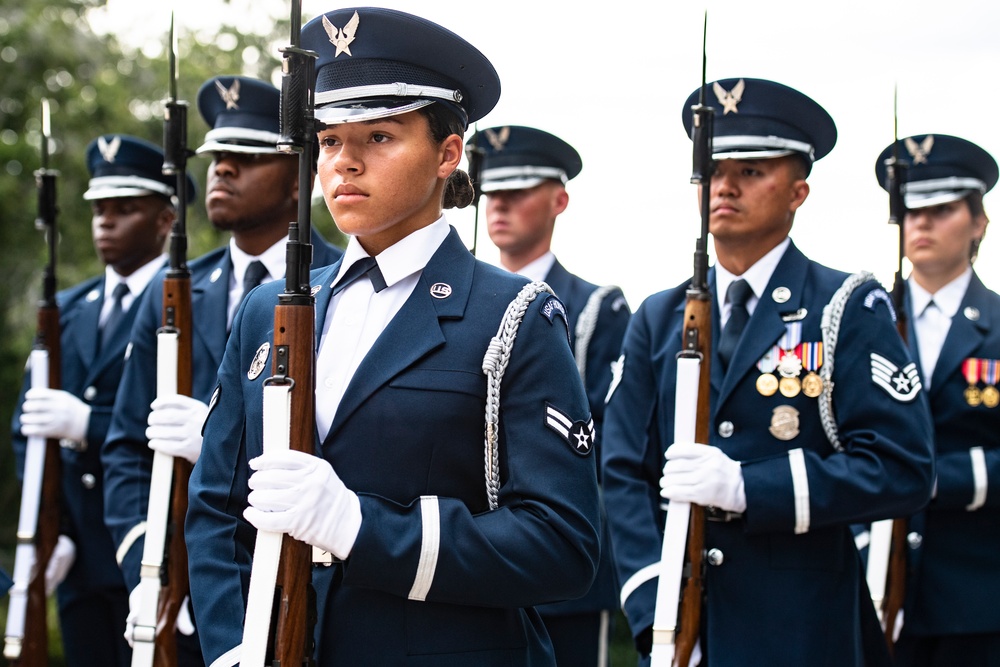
(441, 550)
(133, 213)
(524, 176)
(780, 484)
(252, 191)
(950, 616)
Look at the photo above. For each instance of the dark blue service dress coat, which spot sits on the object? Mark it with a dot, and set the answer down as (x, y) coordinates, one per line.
(954, 557)
(790, 588)
(128, 461)
(91, 371)
(602, 349)
(408, 435)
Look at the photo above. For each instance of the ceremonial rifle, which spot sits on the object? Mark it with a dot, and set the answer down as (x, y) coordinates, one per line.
(475, 154)
(26, 634)
(280, 606)
(164, 570)
(886, 572)
(680, 586)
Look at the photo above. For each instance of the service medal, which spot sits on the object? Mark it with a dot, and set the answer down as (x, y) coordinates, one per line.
(990, 396)
(784, 422)
(970, 369)
(789, 387)
(988, 373)
(767, 384)
(812, 385)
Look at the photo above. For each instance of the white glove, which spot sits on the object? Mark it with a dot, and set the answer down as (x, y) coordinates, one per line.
(703, 475)
(54, 413)
(175, 426)
(301, 495)
(62, 559)
(184, 624)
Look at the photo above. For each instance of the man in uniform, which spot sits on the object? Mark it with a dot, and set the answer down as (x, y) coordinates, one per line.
(780, 485)
(252, 192)
(950, 615)
(524, 176)
(133, 208)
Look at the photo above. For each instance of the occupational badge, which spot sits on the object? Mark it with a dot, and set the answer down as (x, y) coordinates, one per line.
(259, 361)
(784, 422)
(902, 384)
(578, 435)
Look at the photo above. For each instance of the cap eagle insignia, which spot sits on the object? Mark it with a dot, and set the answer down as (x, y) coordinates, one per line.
(231, 95)
(109, 150)
(729, 99)
(498, 139)
(342, 38)
(919, 152)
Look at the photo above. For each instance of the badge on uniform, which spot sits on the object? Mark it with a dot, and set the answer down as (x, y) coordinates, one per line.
(902, 384)
(789, 357)
(986, 370)
(216, 395)
(784, 422)
(877, 296)
(259, 361)
(577, 434)
(553, 307)
(617, 368)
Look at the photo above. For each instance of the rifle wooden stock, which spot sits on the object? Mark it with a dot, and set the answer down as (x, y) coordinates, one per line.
(294, 327)
(177, 315)
(697, 328)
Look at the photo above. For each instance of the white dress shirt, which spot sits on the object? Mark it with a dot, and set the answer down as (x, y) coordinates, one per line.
(757, 276)
(273, 260)
(136, 282)
(358, 315)
(932, 318)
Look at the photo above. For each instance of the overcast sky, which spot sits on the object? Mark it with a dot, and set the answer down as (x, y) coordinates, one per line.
(611, 79)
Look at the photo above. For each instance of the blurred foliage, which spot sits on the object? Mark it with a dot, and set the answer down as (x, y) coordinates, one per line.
(95, 85)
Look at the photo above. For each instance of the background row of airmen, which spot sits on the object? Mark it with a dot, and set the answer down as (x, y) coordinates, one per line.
(915, 431)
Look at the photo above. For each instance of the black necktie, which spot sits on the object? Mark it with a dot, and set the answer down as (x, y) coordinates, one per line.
(256, 272)
(364, 266)
(739, 293)
(116, 313)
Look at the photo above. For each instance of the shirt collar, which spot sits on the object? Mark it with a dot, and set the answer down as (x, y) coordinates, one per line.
(537, 269)
(757, 276)
(136, 281)
(405, 257)
(273, 259)
(948, 299)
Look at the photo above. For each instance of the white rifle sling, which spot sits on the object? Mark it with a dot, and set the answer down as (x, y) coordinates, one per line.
(494, 366)
(675, 531)
(267, 548)
(157, 514)
(586, 324)
(27, 521)
(880, 540)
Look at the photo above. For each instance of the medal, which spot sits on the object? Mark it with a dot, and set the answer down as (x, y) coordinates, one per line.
(789, 387)
(988, 373)
(767, 384)
(970, 369)
(812, 385)
(812, 359)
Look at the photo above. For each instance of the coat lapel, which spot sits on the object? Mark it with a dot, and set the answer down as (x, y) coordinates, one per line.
(965, 335)
(210, 303)
(416, 323)
(765, 326)
(88, 318)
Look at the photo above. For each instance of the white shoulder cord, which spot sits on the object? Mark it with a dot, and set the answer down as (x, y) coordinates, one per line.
(494, 365)
(585, 326)
(833, 313)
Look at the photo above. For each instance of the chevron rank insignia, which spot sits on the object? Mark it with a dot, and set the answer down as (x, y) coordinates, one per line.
(902, 384)
(214, 401)
(577, 434)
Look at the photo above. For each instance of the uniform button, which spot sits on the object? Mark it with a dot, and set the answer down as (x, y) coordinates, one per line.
(89, 393)
(914, 540)
(726, 429)
(328, 383)
(88, 481)
(715, 557)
